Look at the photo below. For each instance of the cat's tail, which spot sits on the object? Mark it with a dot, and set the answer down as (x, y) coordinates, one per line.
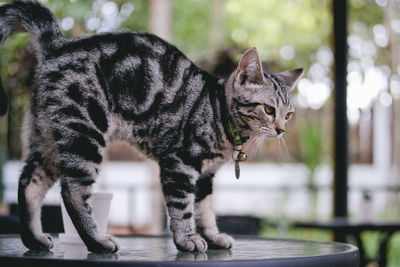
(33, 18)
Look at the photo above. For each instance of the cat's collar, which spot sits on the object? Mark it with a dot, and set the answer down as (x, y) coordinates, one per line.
(237, 153)
(238, 140)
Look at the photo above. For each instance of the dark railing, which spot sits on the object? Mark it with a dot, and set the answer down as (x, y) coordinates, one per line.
(340, 118)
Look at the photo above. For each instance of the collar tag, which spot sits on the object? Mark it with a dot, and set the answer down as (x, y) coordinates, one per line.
(237, 154)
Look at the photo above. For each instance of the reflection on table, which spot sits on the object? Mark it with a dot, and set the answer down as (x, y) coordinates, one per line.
(157, 249)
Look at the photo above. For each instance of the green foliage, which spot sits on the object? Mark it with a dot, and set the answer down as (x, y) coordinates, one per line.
(11, 67)
(269, 25)
(191, 25)
(394, 248)
(10, 55)
(79, 9)
(310, 139)
(138, 20)
(371, 241)
(365, 11)
(76, 9)
(363, 16)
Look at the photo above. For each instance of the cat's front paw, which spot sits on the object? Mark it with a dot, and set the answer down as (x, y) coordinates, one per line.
(190, 243)
(219, 241)
(42, 242)
(104, 244)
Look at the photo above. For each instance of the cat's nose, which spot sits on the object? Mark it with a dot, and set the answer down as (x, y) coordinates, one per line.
(279, 130)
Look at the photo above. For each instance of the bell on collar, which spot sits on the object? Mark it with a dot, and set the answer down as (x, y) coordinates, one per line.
(242, 156)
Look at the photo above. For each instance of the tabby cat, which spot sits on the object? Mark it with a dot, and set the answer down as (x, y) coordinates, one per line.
(137, 88)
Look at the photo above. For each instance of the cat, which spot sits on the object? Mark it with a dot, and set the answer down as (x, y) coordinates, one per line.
(135, 87)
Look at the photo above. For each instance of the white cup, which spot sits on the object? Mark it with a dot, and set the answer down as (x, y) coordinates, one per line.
(101, 206)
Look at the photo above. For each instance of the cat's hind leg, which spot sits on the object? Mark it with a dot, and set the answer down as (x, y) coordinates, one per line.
(34, 182)
(79, 162)
(76, 193)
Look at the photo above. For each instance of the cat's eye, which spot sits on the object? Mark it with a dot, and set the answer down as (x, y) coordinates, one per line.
(269, 110)
(288, 115)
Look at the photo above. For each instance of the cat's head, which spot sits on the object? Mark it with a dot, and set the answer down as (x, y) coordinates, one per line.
(260, 102)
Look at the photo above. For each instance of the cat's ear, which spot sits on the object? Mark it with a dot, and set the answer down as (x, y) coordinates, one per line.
(291, 76)
(250, 68)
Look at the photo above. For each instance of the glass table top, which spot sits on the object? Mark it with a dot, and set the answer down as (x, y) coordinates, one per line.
(162, 249)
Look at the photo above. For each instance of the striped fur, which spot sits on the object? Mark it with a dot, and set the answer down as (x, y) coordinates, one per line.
(137, 88)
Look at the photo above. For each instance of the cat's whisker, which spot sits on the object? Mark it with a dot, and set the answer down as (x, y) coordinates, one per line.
(285, 147)
(247, 145)
(279, 149)
(251, 140)
(262, 140)
(252, 146)
(259, 141)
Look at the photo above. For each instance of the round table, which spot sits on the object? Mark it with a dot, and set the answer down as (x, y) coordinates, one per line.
(160, 251)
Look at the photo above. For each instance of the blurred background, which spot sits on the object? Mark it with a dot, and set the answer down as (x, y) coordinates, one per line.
(284, 181)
